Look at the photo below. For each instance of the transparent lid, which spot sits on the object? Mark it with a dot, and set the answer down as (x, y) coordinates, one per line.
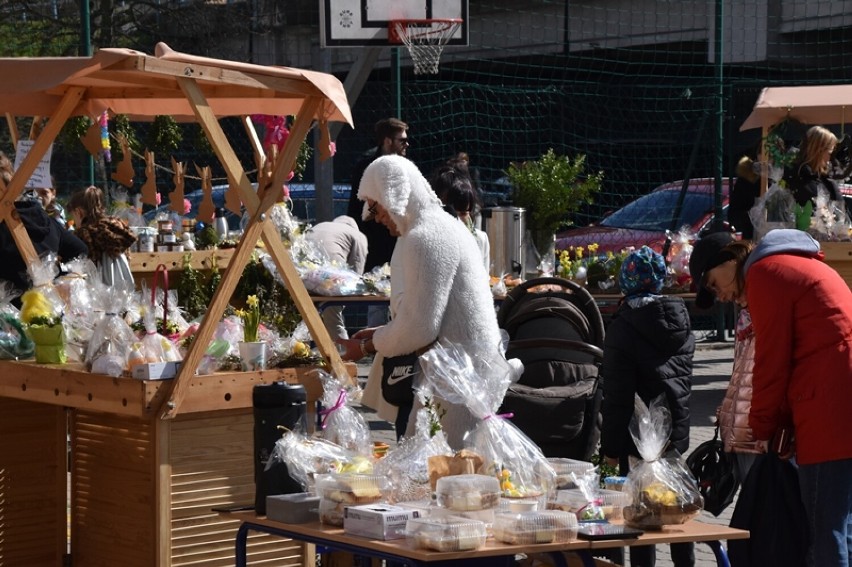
(545, 526)
(607, 504)
(352, 488)
(468, 492)
(446, 534)
(566, 469)
(568, 466)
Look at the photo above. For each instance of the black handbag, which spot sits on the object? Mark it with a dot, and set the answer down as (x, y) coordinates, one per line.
(398, 373)
(713, 470)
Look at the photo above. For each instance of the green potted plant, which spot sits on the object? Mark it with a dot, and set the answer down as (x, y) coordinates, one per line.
(550, 189)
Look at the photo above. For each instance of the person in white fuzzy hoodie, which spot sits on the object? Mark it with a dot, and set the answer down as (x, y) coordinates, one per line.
(439, 287)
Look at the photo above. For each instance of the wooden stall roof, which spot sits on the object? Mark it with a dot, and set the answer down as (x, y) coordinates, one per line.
(825, 104)
(140, 85)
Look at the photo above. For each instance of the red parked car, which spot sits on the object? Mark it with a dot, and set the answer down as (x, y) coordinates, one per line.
(645, 220)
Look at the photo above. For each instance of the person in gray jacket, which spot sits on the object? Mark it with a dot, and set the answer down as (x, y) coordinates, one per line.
(345, 245)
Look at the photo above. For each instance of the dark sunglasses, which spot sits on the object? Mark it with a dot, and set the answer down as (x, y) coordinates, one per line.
(373, 209)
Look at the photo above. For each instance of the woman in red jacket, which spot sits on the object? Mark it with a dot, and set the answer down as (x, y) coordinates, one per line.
(802, 314)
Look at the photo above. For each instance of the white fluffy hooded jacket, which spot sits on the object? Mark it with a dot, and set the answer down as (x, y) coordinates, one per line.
(442, 290)
(439, 286)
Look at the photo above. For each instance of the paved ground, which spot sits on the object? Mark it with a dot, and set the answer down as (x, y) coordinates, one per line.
(713, 361)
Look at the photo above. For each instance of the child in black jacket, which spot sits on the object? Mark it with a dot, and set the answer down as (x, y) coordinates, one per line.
(648, 351)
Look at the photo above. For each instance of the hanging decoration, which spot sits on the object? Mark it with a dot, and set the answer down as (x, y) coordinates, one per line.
(176, 198)
(103, 122)
(206, 208)
(275, 131)
(92, 139)
(124, 171)
(149, 188)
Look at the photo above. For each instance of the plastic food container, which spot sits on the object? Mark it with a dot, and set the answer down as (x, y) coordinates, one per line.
(615, 483)
(564, 469)
(467, 492)
(518, 505)
(546, 526)
(446, 534)
(352, 488)
(608, 508)
(484, 516)
(331, 512)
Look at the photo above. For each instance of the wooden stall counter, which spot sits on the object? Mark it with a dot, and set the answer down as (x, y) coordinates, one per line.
(143, 487)
(70, 385)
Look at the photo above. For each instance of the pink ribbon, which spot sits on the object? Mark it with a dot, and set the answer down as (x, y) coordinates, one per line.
(509, 415)
(341, 401)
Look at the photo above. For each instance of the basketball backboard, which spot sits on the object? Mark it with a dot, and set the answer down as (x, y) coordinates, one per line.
(357, 23)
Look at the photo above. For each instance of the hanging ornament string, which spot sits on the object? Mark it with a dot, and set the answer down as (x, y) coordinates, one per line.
(103, 121)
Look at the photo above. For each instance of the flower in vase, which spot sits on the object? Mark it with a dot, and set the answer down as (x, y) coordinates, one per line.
(251, 319)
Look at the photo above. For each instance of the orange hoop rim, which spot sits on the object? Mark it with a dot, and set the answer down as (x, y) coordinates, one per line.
(393, 26)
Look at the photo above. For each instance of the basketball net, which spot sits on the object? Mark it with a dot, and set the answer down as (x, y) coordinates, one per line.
(425, 40)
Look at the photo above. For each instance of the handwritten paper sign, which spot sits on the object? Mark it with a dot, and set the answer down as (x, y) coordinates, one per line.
(41, 175)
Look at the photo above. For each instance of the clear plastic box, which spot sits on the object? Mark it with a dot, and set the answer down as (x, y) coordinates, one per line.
(615, 483)
(564, 468)
(446, 534)
(331, 512)
(545, 526)
(519, 504)
(352, 488)
(609, 508)
(467, 492)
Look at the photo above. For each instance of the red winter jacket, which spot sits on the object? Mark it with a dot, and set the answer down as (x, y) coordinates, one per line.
(802, 314)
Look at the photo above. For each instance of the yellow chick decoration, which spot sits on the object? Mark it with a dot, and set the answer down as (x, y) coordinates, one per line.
(35, 305)
(301, 350)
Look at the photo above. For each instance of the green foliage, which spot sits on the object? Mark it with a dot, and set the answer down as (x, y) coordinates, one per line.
(302, 158)
(73, 131)
(278, 308)
(550, 189)
(38, 38)
(120, 124)
(192, 293)
(201, 143)
(207, 238)
(165, 135)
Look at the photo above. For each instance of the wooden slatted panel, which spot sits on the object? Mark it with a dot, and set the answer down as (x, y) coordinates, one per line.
(32, 484)
(838, 255)
(113, 491)
(212, 466)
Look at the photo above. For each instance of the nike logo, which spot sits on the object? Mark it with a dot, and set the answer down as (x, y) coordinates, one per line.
(399, 374)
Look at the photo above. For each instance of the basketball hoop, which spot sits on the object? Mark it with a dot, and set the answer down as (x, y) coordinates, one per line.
(425, 40)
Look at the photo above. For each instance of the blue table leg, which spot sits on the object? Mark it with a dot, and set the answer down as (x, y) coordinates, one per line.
(240, 551)
(719, 552)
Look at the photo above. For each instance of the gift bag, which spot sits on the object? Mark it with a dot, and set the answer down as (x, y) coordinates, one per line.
(408, 465)
(115, 270)
(42, 312)
(662, 490)
(14, 342)
(479, 382)
(341, 423)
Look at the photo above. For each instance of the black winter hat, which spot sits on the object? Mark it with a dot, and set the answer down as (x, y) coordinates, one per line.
(705, 256)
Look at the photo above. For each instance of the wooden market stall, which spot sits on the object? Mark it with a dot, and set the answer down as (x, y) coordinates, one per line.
(149, 459)
(815, 105)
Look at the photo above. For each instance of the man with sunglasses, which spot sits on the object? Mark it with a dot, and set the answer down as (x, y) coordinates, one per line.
(391, 139)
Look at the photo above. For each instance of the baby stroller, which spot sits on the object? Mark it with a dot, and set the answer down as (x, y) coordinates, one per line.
(556, 330)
